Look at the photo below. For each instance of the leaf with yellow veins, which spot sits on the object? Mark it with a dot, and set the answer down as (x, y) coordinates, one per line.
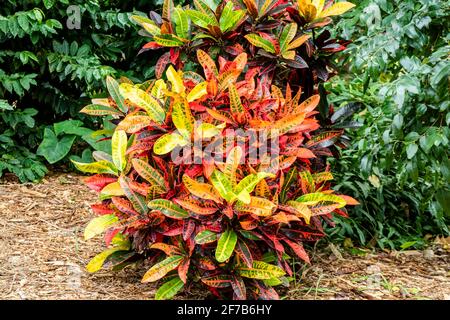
(286, 124)
(257, 206)
(168, 142)
(144, 101)
(288, 33)
(160, 269)
(207, 62)
(134, 123)
(232, 163)
(119, 148)
(301, 210)
(241, 61)
(236, 107)
(201, 190)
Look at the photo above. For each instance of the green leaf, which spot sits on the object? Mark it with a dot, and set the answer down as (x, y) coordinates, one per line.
(288, 33)
(201, 19)
(52, 149)
(98, 225)
(223, 185)
(169, 289)
(113, 89)
(119, 149)
(100, 110)
(260, 42)
(246, 185)
(168, 40)
(102, 166)
(149, 173)
(137, 200)
(230, 17)
(168, 208)
(225, 245)
(205, 236)
(411, 150)
(181, 22)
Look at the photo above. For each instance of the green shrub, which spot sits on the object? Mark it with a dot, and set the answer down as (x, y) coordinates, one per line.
(397, 78)
(50, 65)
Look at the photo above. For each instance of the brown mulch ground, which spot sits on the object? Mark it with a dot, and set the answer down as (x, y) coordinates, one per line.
(43, 254)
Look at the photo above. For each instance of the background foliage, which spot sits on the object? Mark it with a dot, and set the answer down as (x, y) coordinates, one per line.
(397, 79)
(48, 71)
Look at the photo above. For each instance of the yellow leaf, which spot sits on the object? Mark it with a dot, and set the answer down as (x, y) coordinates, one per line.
(336, 9)
(102, 166)
(301, 210)
(232, 163)
(112, 189)
(288, 55)
(319, 5)
(297, 42)
(119, 148)
(97, 262)
(183, 119)
(98, 225)
(241, 61)
(197, 92)
(168, 142)
(208, 130)
(158, 89)
(176, 80)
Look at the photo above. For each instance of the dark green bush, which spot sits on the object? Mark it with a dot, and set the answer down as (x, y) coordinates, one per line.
(50, 68)
(397, 78)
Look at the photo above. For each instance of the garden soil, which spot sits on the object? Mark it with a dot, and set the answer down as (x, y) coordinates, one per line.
(43, 256)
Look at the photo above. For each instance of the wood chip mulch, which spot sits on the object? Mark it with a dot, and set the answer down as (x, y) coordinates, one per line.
(43, 255)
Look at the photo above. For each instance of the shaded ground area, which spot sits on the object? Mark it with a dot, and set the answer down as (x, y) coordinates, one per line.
(43, 254)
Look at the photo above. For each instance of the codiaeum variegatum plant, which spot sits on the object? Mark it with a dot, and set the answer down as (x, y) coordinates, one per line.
(218, 168)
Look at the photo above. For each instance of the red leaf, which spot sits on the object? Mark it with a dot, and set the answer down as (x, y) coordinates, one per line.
(101, 208)
(183, 269)
(98, 182)
(109, 235)
(161, 64)
(298, 249)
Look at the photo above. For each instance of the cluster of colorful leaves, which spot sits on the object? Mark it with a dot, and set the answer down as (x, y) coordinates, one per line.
(234, 224)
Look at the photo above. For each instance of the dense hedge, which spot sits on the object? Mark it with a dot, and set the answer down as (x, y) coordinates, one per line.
(397, 79)
(51, 63)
